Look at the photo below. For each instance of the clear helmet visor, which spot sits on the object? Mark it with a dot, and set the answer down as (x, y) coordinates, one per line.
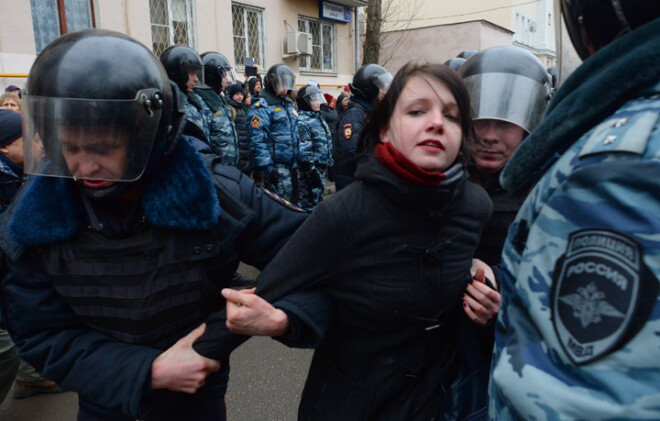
(228, 75)
(383, 81)
(508, 97)
(315, 99)
(98, 140)
(284, 82)
(195, 74)
(568, 58)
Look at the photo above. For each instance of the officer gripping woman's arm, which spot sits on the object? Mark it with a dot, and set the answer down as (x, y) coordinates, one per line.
(119, 245)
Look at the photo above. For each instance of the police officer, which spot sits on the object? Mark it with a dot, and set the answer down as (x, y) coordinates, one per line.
(490, 76)
(370, 83)
(218, 74)
(317, 138)
(184, 67)
(273, 130)
(119, 245)
(577, 335)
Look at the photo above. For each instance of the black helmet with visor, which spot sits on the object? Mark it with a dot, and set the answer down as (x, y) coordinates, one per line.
(182, 62)
(217, 69)
(98, 105)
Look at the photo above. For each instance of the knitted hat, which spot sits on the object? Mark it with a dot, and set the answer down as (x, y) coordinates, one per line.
(234, 89)
(11, 127)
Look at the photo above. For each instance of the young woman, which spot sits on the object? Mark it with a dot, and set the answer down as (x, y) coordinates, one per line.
(393, 252)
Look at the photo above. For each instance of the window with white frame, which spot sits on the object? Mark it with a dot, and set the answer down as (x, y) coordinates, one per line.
(52, 18)
(248, 29)
(525, 30)
(172, 22)
(324, 43)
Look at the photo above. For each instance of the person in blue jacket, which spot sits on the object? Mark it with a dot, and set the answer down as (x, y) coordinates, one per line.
(115, 251)
(577, 334)
(273, 130)
(315, 133)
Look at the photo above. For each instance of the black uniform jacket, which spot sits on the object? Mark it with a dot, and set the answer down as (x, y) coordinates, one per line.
(395, 259)
(348, 134)
(93, 311)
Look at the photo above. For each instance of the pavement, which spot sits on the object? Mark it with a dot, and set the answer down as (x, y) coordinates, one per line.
(265, 384)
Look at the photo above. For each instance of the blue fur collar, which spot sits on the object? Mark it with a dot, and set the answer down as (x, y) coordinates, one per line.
(180, 196)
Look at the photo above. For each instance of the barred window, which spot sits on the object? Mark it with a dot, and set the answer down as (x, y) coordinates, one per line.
(172, 22)
(248, 29)
(52, 18)
(324, 42)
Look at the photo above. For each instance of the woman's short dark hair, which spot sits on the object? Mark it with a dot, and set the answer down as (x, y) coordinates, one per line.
(379, 119)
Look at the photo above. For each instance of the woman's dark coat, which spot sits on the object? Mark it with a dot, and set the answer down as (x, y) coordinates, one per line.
(395, 259)
(243, 139)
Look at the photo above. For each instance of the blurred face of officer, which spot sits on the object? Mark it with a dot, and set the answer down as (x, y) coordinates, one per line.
(238, 97)
(495, 143)
(93, 156)
(426, 124)
(192, 81)
(14, 151)
(10, 104)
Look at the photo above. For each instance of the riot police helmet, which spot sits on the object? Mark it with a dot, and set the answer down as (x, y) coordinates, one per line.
(279, 80)
(592, 24)
(466, 54)
(310, 98)
(218, 73)
(184, 67)
(508, 84)
(455, 63)
(369, 82)
(99, 107)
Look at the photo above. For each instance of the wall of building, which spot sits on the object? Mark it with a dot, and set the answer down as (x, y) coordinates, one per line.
(213, 32)
(436, 44)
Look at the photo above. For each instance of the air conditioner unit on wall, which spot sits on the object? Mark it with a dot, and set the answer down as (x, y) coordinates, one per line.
(299, 43)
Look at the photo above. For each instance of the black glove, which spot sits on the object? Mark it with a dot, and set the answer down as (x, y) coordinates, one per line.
(332, 173)
(315, 179)
(258, 178)
(271, 178)
(305, 167)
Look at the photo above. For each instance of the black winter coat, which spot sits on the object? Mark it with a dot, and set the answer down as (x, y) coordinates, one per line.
(348, 134)
(92, 311)
(243, 139)
(331, 117)
(395, 259)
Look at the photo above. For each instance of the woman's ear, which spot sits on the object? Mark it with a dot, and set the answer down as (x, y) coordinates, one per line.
(385, 135)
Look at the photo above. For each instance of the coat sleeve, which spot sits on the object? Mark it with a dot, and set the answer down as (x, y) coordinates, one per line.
(305, 265)
(54, 340)
(257, 122)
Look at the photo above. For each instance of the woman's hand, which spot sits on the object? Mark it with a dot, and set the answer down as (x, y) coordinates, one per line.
(480, 302)
(249, 314)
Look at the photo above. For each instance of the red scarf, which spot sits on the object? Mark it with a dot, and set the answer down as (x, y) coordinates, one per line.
(404, 168)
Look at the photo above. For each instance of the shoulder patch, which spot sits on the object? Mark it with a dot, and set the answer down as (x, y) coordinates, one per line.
(625, 133)
(255, 121)
(348, 131)
(283, 201)
(602, 293)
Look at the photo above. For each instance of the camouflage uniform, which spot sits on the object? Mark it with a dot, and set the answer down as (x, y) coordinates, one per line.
(273, 130)
(223, 135)
(577, 336)
(199, 113)
(316, 135)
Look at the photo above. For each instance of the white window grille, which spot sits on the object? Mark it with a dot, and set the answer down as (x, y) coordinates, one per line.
(248, 29)
(52, 18)
(172, 22)
(324, 43)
